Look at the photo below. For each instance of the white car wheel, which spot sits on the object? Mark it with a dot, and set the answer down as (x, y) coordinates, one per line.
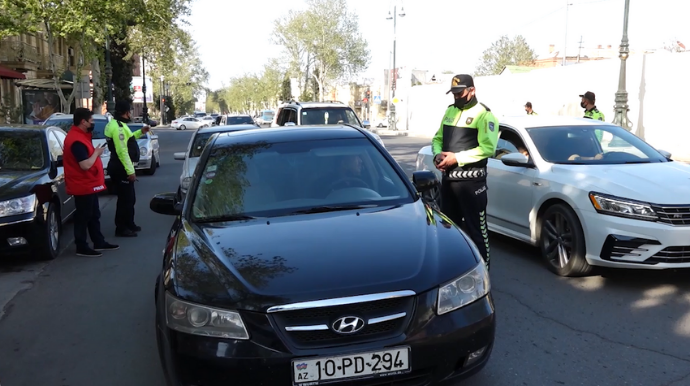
(562, 242)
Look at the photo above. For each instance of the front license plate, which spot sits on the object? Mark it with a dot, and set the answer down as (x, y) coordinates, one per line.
(364, 365)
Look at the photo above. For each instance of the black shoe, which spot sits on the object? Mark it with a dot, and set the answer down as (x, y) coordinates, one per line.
(106, 247)
(125, 233)
(135, 228)
(88, 252)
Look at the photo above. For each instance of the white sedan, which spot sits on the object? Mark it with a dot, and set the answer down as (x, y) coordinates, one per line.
(185, 123)
(588, 193)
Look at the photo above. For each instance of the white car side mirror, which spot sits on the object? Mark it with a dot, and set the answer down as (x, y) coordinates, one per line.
(180, 156)
(516, 159)
(666, 154)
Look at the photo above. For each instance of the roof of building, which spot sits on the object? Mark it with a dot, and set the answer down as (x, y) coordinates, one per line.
(517, 69)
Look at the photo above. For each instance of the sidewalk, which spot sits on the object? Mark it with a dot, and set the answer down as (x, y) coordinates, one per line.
(386, 132)
(19, 275)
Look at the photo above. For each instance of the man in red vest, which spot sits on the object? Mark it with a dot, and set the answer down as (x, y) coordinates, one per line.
(84, 179)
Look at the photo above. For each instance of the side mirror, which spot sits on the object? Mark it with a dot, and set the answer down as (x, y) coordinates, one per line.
(59, 162)
(666, 154)
(424, 180)
(516, 159)
(165, 203)
(180, 156)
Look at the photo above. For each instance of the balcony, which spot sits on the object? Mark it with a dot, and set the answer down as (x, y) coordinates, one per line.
(19, 55)
(46, 71)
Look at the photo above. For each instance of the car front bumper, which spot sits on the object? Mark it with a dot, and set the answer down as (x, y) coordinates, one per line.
(144, 163)
(19, 233)
(441, 350)
(627, 243)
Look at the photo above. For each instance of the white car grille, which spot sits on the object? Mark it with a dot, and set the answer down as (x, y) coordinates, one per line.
(673, 215)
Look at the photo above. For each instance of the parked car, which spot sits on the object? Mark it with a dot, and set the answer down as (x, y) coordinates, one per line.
(209, 120)
(319, 113)
(279, 269)
(239, 119)
(149, 150)
(588, 193)
(65, 122)
(188, 123)
(33, 198)
(194, 149)
(265, 118)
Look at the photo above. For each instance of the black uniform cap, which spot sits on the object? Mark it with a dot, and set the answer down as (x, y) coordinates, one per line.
(460, 82)
(122, 107)
(589, 96)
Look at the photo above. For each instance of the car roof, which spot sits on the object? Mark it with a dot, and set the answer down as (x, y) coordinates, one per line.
(291, 134)
(307, 105)
(226, 128)
(19, 127)
(71, 116)
(539, 121)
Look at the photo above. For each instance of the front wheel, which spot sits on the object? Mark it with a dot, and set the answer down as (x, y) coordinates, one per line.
(562, 242)
(183, 127)
(50, 246)
(152, 169)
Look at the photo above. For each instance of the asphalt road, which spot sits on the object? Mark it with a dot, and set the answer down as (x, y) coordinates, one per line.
(83, 322)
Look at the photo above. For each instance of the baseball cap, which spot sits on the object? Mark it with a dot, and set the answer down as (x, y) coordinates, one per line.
(528, 104)
(122, 106)
(460, 82)
(589, 96)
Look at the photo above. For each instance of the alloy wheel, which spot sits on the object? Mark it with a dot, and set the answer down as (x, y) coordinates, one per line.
(54, 231)
(558, 240)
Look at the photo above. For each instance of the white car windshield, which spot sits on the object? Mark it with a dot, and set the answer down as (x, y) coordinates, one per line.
(264, 180)
(606, 145)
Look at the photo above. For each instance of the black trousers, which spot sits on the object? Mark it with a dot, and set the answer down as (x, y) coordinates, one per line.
(87, 217)
(126, 199)
(468, 200)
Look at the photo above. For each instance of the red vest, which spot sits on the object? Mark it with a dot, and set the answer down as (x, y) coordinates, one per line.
(81, 182)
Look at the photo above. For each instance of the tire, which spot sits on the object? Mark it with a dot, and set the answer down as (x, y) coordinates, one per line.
(50, 245)
(152, 169)
(183, 127)
(562, 242)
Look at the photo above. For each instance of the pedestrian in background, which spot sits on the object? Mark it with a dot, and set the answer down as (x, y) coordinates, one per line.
(588, 103)
(528, 109)
(84, 179)
(466, 139)
(124, 151)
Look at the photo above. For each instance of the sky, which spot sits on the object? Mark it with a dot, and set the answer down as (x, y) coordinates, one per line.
(234, 37)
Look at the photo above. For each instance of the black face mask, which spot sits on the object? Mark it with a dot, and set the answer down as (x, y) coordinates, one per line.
(124, 120)
(462, 102)
(90, 128)
(583, 105)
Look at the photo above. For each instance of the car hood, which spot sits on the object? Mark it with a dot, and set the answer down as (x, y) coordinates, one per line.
(15, 183)
(256, 264)
(665, 183)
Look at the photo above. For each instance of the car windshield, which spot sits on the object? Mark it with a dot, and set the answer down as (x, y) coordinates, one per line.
(200, 141)
(328, 116)
(22, 150)
(66, 125)
(264, 180)
(596, 145)
(239, 120)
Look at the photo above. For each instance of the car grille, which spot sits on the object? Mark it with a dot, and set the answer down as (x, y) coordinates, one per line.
(673, 215)
(384, 319)
(673, 255)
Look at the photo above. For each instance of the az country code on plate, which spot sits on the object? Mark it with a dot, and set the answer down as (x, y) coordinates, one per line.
(376, 363)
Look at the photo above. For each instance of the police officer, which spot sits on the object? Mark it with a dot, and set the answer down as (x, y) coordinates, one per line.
(588, 103)
(528, 109)
(466, 139)
(124, 150)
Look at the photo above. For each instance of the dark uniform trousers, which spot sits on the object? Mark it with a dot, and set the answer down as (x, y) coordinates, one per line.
(126, 199)
(87, 218)
(468, 199)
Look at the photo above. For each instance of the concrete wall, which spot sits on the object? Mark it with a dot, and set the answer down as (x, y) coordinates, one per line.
(657, 86)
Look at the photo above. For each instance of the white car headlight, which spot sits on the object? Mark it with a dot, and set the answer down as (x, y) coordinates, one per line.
(105, 154)
(18, 206)
(201, 320)
(420, 165)
(464, 290)
(615, 206)
(144, 150)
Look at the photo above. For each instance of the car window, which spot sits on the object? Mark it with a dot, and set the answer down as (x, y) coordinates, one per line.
(22, 150)
(55, 145)
(278, 179)
(200, 141)
(592, 145)
(66, 124)
(328, 116)
(239, 121)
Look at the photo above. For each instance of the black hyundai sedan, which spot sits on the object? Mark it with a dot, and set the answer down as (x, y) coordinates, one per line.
(304, 256)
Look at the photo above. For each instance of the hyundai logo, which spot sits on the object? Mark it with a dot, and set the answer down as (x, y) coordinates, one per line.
(348, 325)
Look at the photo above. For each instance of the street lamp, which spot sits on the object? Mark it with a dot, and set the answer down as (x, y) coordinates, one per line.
(621, 108)
(145, 110)
(162, 93)
(394, 76)
(110, 105)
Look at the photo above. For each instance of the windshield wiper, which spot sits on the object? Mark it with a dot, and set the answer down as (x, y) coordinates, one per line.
(331, 208)
(637, 162)
(231, 217)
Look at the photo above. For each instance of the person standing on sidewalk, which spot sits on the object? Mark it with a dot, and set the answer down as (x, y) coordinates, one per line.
(528, 109)
(466, 139)
(124, 148)
(84, 179)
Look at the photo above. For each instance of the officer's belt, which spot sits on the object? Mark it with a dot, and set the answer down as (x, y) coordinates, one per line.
(459, 174)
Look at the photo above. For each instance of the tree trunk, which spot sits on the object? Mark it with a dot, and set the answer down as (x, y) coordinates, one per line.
(97, 102)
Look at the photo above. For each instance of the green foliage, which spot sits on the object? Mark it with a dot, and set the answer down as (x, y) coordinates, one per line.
(505, 52)
(123, 65)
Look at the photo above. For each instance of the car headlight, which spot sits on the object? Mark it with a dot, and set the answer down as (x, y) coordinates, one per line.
(615, 206)
(201, 320)
(464, 290)
(18, 206)
(106, 153)
(184, 183)
(143, 150)
(420, 165)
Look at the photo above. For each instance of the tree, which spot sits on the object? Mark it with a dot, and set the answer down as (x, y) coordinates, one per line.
(324, 41)
(505, 52)
(123, 64)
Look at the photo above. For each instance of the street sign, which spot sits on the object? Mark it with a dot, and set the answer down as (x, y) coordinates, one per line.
(377, 99)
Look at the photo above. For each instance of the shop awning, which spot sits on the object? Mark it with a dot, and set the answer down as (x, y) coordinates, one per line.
(6, 73)
(43, 84)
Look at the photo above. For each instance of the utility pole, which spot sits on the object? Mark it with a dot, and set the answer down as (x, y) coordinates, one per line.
(565, 39)
(143, 89)
(394, 84)
(579, 50)
(621, 108)
(110, 105)
(162, 99)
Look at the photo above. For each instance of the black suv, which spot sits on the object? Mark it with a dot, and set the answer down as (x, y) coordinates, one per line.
(315, 113)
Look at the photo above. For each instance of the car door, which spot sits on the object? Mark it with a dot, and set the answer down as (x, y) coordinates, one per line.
(56, 143)
(510, 190)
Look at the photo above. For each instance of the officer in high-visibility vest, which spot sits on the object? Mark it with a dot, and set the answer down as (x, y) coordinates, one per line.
(591, 111)
(466, 139)
(124, 150)
(528, 109)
